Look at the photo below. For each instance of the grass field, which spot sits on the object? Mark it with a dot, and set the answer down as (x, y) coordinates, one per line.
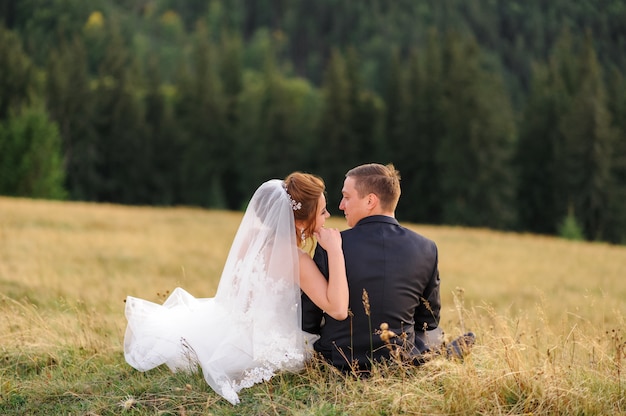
(548, 314)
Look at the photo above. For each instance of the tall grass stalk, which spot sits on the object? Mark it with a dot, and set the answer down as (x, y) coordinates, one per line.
(366, 306)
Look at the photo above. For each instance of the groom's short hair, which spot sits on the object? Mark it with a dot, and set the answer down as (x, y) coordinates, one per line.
(381, 180)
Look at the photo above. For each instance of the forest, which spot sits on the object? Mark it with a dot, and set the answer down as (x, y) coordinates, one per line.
(503, 114)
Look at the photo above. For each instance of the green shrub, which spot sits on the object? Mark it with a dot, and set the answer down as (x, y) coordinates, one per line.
(570, 229)
(30, 156)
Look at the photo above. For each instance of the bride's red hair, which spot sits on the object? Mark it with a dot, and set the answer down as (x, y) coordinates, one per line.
(305, 188)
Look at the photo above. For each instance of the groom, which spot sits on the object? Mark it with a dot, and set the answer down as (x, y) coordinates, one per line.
(393, 278)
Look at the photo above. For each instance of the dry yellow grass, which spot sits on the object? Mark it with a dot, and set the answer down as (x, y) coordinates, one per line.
(94, 255)
(548, 312)
(68, 260)
(545, 279)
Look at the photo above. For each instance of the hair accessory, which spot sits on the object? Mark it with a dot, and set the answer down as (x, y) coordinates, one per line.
(294, 205)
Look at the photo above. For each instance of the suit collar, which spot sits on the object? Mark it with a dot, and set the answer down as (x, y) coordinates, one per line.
(377, 218)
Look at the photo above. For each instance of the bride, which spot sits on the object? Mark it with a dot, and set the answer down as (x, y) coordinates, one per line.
(252, 327)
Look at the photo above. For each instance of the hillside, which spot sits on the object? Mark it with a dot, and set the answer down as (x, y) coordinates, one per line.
(65, 269)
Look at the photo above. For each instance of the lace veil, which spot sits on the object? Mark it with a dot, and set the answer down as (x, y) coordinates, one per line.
(260, 293)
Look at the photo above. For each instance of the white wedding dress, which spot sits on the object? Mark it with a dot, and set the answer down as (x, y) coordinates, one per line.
(251, 328)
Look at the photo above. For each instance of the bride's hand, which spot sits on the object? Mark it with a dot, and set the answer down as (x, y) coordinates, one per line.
(329, 238)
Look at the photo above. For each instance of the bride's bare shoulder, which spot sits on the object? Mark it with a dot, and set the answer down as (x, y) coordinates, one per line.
(304, 256)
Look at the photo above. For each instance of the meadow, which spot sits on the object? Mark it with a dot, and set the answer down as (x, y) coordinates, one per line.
(548, 314)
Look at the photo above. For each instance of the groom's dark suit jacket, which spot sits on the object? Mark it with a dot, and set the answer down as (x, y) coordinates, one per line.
(398, 269)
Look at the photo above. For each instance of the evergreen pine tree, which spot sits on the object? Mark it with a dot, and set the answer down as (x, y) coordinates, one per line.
(367, 119)
(475, 153)
(544, 160)
(539, 207)
(17, 80)
(336, 147)
(70, 102)
(419, 131)
(231, 74)
(616, 213)
(30, 156)
(200, 115)
(589, 139)
(163, 146)
(122, 152)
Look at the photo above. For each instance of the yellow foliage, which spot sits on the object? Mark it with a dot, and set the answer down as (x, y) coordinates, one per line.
(95, 20)
(170, 18)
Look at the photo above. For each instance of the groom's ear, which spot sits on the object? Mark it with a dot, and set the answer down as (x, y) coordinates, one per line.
(372, 201)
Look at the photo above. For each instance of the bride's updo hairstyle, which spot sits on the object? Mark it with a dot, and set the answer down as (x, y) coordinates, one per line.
(304, 189)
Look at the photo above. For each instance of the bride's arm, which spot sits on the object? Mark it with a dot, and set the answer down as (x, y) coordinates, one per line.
(329, 295)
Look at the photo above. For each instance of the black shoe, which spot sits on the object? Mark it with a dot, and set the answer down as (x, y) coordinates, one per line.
(461, 346)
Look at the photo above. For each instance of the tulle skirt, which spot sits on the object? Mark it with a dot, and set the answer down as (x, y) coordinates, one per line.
(233, 351)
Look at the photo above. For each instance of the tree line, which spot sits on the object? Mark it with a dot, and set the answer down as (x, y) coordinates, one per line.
(508, 115)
